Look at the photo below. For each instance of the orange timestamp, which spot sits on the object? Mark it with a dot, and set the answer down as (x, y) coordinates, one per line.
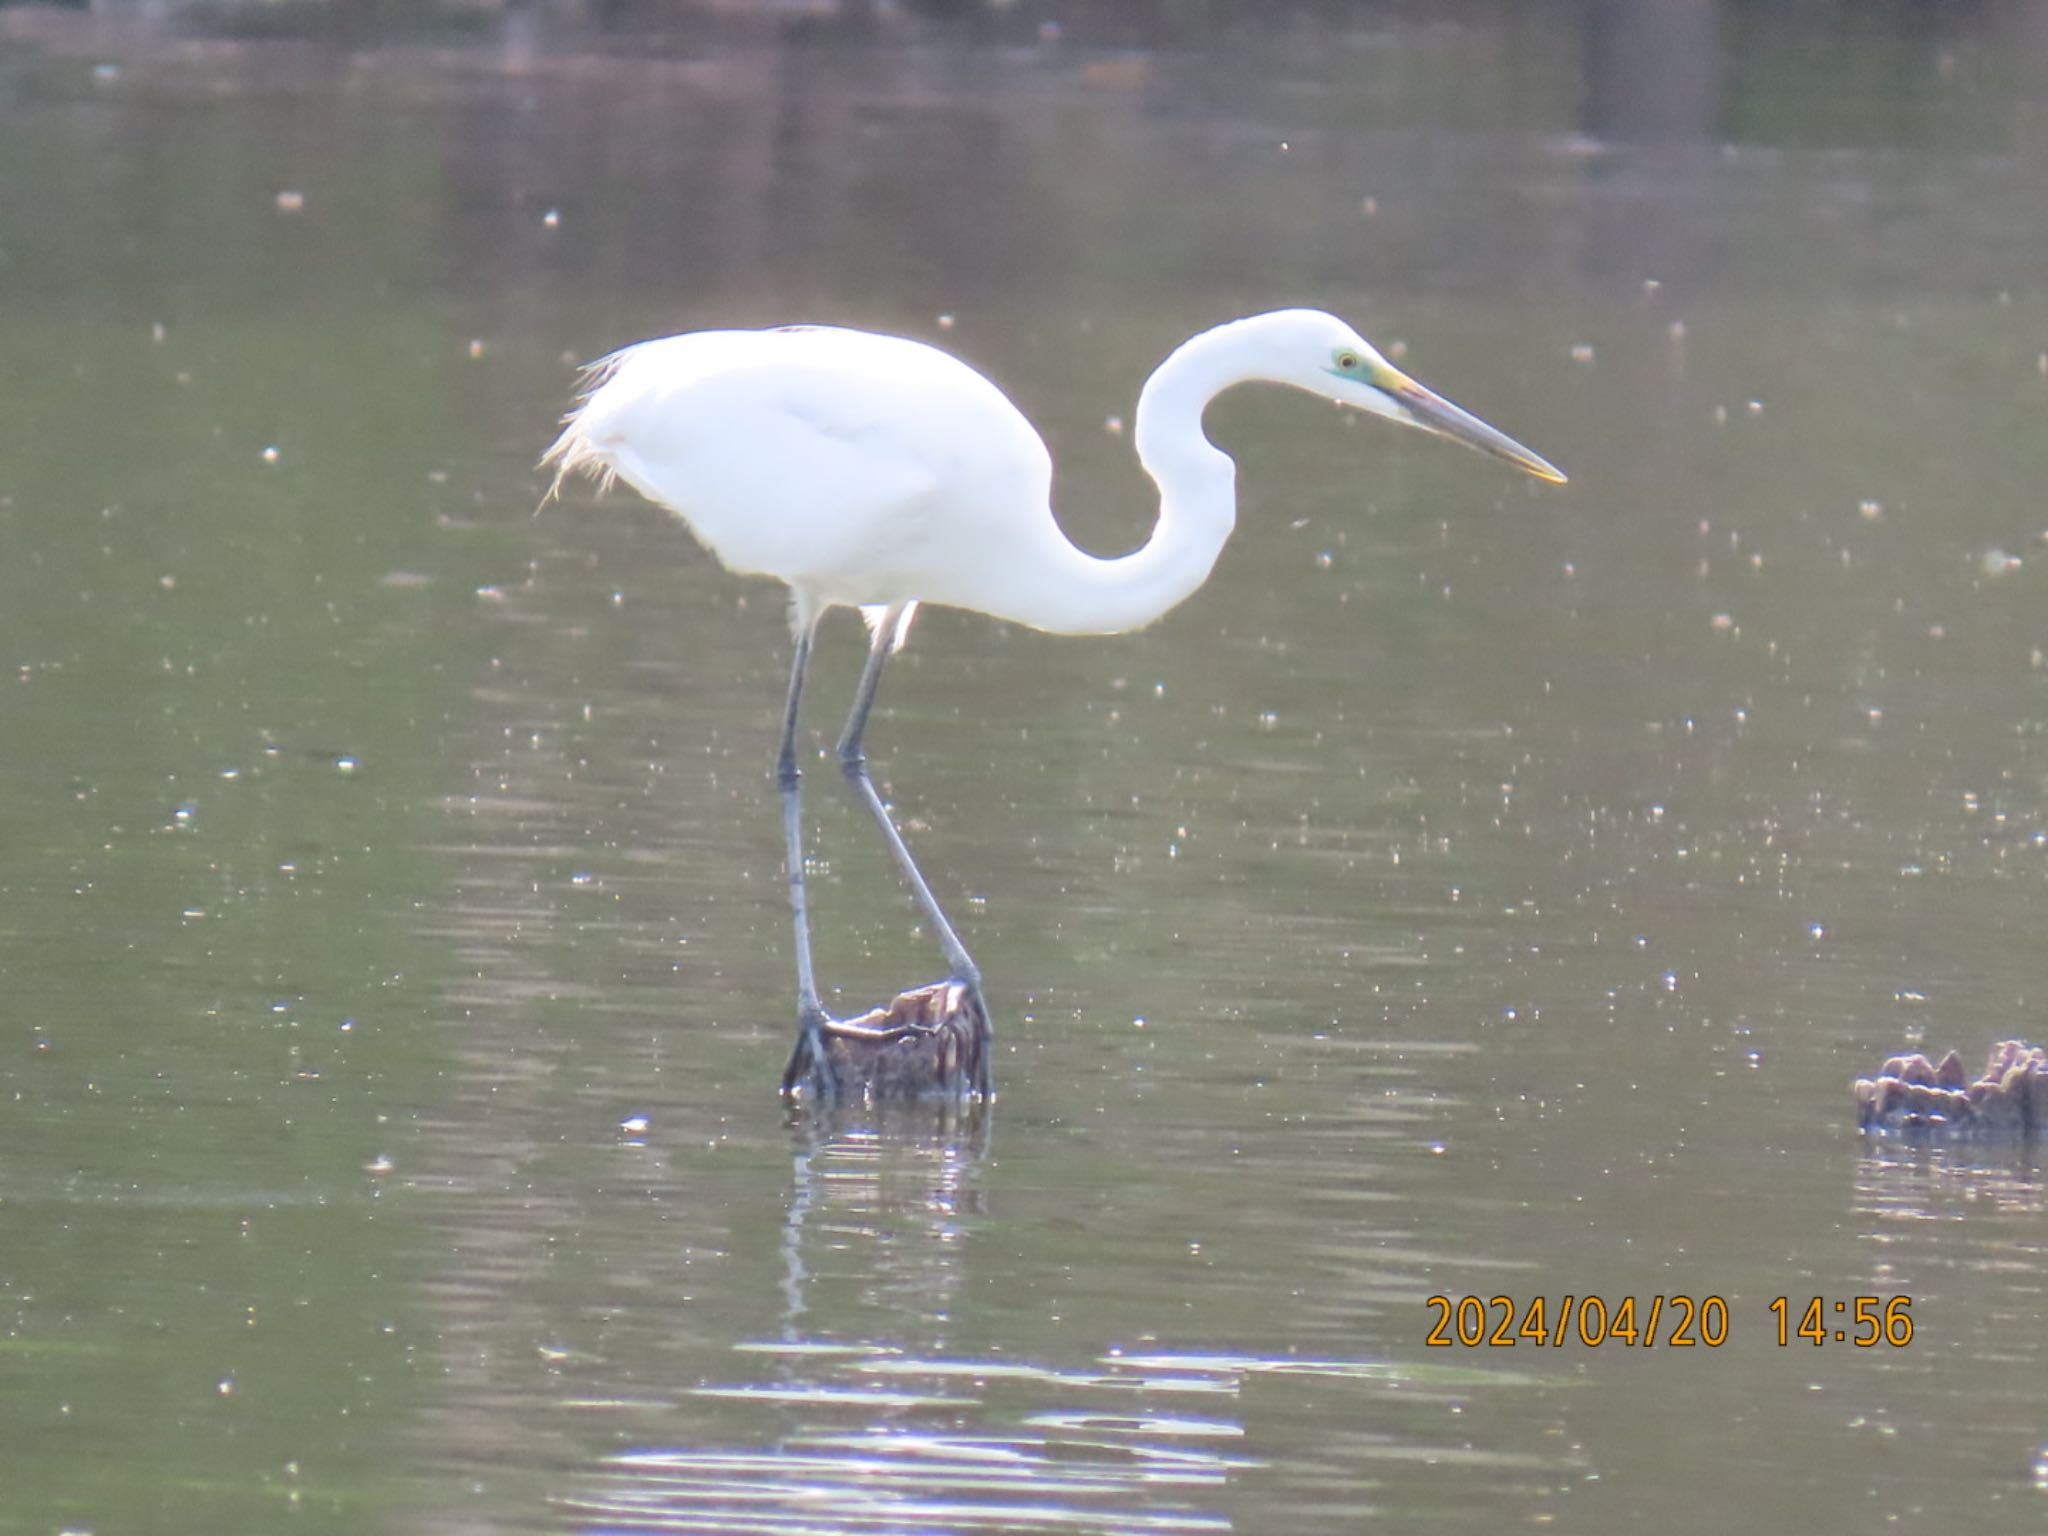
(1647, 1322)
(1502, 1322)
(1864, 1321)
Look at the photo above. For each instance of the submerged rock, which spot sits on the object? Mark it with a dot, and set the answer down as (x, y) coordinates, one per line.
(929, 1043)
(1911, 1093)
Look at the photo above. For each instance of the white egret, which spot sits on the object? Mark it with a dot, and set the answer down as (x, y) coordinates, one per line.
(876, 472)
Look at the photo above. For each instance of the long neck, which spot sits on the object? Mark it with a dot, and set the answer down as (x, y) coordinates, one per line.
(1197, 504)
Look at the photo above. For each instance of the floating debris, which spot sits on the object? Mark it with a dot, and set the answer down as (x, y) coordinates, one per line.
(1914, 1095)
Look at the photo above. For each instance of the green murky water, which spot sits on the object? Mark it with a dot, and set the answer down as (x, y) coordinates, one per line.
(1478, 889)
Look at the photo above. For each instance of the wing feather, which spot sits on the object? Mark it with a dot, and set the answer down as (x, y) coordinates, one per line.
(848, 464)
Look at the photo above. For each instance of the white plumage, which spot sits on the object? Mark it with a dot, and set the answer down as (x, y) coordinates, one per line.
(877, 472)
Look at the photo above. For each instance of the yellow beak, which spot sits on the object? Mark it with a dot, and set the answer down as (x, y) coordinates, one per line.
(1432, 412)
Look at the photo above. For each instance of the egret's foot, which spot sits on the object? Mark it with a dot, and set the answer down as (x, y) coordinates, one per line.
(808, 1070)
(984, 1044)
(931, 1042)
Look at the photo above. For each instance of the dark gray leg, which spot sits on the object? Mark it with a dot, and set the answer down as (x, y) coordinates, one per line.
(807, 1059)
(853, 764)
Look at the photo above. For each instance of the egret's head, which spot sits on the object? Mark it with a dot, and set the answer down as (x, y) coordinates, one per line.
(1320, 353)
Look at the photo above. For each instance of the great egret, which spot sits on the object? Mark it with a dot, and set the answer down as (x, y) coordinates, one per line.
(876, 472)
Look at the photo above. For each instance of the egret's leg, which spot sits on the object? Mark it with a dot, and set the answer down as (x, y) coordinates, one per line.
(807, 1059)
(853, 764)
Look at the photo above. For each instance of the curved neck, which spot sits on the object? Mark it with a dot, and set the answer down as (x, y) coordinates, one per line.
(1197, 504)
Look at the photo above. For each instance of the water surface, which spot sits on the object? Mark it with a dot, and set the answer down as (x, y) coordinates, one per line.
(1478, 889)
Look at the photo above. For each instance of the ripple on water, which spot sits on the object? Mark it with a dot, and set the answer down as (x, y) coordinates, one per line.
(997, 1444)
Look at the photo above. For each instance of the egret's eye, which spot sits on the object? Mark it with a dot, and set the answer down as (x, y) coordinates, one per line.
(1348, 361)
